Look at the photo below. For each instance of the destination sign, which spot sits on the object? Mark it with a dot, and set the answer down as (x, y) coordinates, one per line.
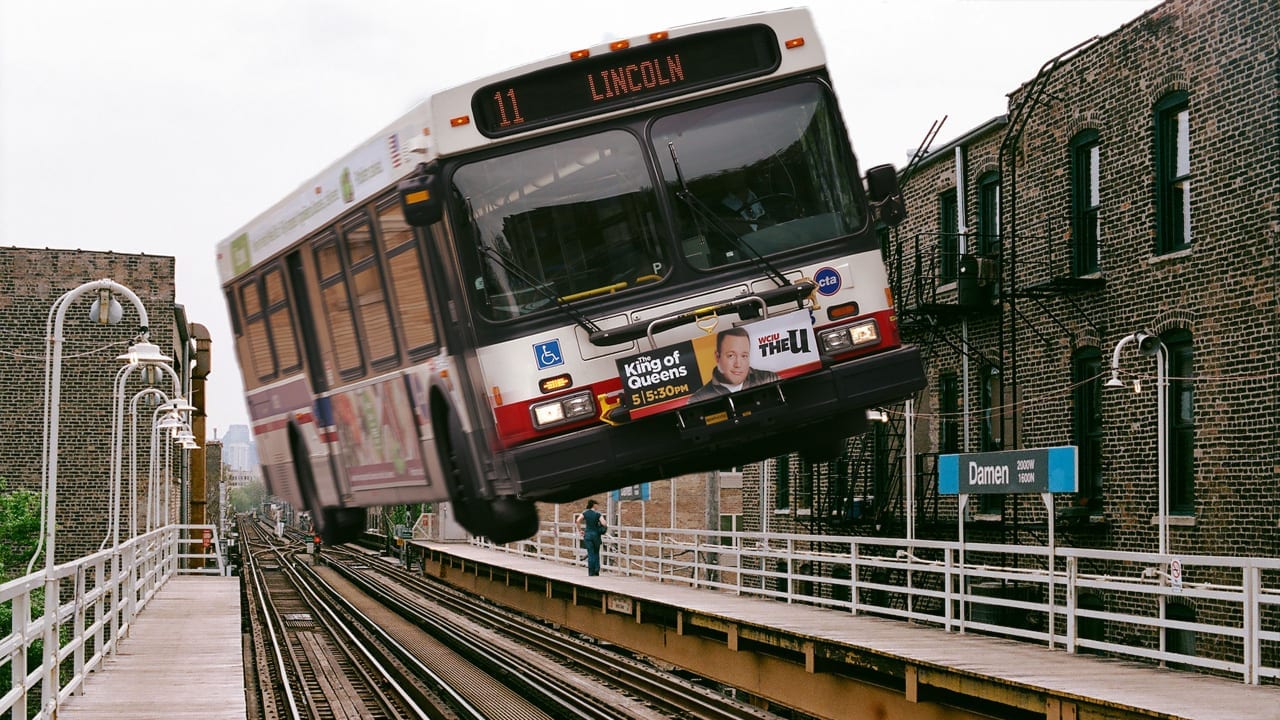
(1008, 472)
(624, 78)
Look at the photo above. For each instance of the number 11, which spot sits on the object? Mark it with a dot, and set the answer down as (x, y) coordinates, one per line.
(504, 120)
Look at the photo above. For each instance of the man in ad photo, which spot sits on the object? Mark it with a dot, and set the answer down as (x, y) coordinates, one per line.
(733, 367)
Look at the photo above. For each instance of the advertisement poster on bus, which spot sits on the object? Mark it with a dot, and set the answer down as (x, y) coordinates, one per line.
(379, 439)
(719, 363)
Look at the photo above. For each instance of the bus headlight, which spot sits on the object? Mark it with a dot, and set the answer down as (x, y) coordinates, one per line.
(562, 410)
(844, 339)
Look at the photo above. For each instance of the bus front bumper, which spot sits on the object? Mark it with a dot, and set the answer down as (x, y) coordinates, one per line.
(808, 413)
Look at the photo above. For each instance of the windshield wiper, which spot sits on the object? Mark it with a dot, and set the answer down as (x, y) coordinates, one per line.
(510, 266)
(700, 208)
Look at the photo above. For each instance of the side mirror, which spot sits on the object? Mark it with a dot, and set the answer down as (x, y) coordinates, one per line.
(886, 198)
(420, 197)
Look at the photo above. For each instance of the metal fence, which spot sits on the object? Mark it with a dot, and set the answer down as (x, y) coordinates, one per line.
(1215, 614)
(97, 599)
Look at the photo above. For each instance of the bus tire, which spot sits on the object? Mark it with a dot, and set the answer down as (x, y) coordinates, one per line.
(335, 524)
(302, 469)
(502, 519)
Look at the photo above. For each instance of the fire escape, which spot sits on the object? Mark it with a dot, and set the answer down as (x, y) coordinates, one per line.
(1018, 282)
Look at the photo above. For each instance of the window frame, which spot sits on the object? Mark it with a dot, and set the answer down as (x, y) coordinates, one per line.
(323, 283)
(989, 214)
(948, 237)
(1173, 178)
(1086, 202)
(948, 413)
(266, 310)
(414, 245)
(1086, 423)
(1181, 429)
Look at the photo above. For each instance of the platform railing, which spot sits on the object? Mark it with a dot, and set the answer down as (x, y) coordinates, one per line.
(99, 597)
(1215, 614)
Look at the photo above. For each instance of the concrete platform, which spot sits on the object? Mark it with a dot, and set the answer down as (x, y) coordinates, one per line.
(811, 658)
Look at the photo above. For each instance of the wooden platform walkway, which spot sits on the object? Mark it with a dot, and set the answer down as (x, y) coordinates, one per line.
(182, 659)
(976, 665)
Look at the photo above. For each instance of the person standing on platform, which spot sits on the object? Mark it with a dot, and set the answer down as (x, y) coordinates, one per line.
(593, 529)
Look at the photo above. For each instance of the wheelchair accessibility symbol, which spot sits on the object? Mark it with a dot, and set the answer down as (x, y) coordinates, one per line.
(548, 354)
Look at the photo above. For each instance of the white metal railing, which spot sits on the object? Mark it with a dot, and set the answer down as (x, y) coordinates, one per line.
(1011, 590)
(98, 598)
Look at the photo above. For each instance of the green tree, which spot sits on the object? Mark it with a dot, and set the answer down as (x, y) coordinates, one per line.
(19, 534)
(244, 499)
(19, 529)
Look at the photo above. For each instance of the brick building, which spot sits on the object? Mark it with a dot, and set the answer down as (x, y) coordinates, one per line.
(1133, 185)
(31, 282)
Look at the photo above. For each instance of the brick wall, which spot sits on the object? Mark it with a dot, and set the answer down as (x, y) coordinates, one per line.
(31, 281)
(1223, 290)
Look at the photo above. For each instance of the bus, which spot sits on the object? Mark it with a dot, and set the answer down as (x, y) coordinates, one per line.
(635, 260)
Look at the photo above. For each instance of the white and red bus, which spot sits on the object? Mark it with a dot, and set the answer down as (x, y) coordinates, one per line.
(515, 292)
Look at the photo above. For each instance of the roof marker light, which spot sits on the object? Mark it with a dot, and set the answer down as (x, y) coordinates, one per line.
(655, 37)
(619, 44)
(460, 121)
(794, 43)
(579, 54)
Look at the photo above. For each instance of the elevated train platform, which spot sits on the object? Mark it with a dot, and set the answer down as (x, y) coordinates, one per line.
(182, 659)
(837, 665)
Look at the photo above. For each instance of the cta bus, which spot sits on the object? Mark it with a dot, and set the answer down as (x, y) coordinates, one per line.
(636, 260)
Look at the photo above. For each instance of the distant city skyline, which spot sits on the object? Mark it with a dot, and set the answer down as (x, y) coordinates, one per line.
(239, 451)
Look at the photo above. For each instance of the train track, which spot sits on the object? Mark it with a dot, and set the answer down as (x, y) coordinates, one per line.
(617, 685)
(354, 636)
(309, 663)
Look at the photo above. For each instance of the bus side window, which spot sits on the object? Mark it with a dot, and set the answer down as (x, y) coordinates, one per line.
(373, 314)
(408, 283)
(337, 309)
(255, 325)
(280, 325)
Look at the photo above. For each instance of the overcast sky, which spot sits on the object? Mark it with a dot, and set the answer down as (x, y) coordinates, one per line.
(161, 126)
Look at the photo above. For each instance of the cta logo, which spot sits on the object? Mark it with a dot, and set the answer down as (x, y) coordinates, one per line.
(828, 280)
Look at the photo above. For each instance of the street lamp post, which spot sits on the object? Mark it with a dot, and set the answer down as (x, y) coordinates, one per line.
(105, 310)
(133, 456)
(160, 453)
(1151, 346)
(141, 354)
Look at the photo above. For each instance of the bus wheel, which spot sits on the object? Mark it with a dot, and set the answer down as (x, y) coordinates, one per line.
(512, 519)
(503, 519)
(302, 469)
(459, 480)
(336, 525)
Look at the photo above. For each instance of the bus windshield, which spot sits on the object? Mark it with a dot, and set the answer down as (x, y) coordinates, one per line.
(561, 222)
(767, 169)
(580, 218)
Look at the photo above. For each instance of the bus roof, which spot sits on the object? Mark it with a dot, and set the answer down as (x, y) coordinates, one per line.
(369, 169)
(395, 151)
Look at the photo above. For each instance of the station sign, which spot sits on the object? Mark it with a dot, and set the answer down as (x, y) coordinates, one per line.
(632, 492)
(1009, 472)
